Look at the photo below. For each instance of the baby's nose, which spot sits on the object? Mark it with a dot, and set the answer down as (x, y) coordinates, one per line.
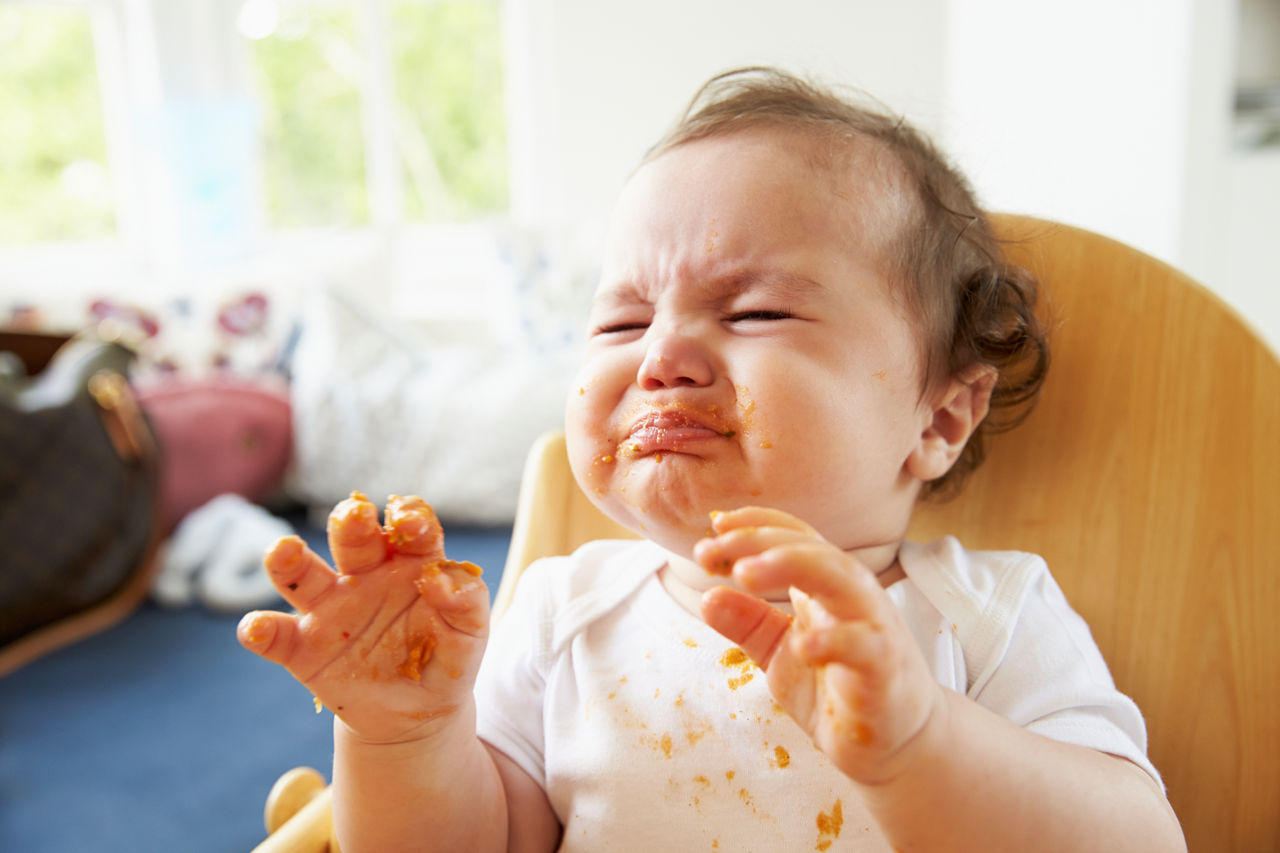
(675, 360)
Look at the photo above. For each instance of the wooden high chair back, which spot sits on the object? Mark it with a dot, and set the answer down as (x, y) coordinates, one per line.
(1149, 478)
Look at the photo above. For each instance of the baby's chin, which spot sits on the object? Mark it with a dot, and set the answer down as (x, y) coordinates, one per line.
(676, 530)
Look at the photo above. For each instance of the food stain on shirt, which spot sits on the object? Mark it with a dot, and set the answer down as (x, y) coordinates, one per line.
(782, 758)
(829, 826)
(737, 657)
(694, 734)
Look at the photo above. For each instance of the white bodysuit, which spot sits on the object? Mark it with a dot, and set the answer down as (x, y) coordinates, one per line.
(651, 732)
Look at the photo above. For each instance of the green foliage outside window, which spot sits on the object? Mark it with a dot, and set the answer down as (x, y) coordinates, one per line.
(308, 88)
(54, 183)
(450, 128)
(449, 121)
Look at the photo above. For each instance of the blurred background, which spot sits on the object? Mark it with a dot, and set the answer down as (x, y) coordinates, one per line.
(353, 243)
(439, 153)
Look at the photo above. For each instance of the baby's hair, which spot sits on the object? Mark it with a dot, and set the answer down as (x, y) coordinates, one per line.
(972, 307)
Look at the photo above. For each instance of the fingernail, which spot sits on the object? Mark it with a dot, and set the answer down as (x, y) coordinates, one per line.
(355, 515)
(255, 628)
(286, 551)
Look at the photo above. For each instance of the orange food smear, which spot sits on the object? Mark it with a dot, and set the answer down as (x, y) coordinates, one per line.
(419, 653)
(830, 824)
(435, 567)
(734, 657)
(723, 566)
(665, 743)
(783, 757)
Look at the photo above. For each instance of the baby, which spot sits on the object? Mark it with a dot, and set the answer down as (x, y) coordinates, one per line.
(803, 326)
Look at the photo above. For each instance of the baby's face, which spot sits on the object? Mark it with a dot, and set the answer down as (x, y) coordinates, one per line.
(745, 349)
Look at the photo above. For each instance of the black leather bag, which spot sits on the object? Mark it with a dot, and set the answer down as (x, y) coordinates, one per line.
(78, 494)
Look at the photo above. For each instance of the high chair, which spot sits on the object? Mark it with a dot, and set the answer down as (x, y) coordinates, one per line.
(1148, 476)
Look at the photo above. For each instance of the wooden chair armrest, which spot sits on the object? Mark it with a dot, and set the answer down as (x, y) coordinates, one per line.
(299, 815)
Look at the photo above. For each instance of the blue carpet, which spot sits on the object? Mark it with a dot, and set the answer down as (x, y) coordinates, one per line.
(162, 734)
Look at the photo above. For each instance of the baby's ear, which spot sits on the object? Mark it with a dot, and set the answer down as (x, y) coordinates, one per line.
(957, 409)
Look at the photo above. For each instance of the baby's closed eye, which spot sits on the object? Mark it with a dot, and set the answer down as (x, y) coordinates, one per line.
(760, 315)
(613, 328)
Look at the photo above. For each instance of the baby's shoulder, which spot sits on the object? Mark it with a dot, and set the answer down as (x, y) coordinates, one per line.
(593, 568)
(568, 592)
(945, 570)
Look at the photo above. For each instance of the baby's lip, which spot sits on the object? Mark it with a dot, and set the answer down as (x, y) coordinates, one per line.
(672, 430)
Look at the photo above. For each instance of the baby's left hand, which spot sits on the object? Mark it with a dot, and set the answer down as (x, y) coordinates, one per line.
(846, 668)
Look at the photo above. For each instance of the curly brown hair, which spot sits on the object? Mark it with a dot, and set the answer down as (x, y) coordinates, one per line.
(970, 305)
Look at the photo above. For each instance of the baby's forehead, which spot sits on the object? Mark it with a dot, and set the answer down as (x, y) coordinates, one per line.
(870, 191)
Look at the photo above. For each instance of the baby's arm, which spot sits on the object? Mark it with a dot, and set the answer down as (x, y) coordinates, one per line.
(391, 644)
(938, 771)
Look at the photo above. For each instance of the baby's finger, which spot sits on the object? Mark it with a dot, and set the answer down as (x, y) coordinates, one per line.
(860, 645)
(356, 540)
(844, 586)
(718, 554)
(269, 634)
(456, 590)
(757, 516)
(749, 622)
(298, 573)
(412, 527)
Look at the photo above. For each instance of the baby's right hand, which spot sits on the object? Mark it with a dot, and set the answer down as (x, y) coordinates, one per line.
(392, 641)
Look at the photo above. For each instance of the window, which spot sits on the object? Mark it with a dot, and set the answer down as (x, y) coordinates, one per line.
(389, 111)
(307, 76)
(54, 182)
(351, 113)
(449, 125)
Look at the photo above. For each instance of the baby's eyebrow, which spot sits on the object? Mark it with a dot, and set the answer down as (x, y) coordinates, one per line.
(781, 284)
(618, 297)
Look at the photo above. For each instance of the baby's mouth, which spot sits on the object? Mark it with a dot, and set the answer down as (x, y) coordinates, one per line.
(672, 431)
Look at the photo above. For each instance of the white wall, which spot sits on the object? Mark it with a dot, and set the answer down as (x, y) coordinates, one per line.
(601, 81)
(1058, 110)
(1109, 114)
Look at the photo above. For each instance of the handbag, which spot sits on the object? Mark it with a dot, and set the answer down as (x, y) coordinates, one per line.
(79, 493)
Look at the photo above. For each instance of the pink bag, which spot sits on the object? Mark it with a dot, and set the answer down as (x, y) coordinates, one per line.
(217, 436)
